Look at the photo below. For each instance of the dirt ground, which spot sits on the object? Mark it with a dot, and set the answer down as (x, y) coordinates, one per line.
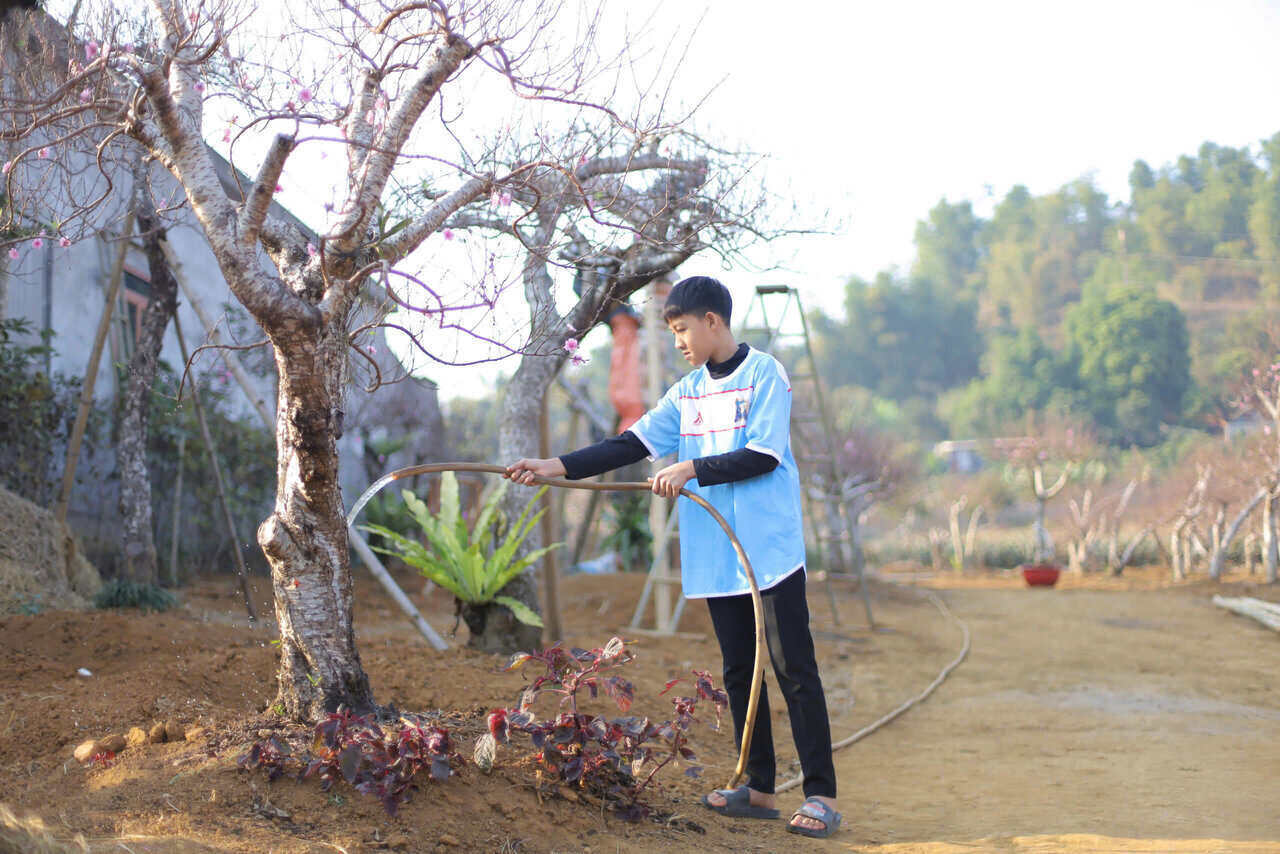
(1102, 715)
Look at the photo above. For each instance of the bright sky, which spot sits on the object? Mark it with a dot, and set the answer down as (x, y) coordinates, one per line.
(874, 111)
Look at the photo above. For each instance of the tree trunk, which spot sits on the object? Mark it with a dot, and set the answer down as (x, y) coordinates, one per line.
(1175, 550)
(1043, 543)
(1270, 552)
(305, 537)
(4, 285)
(957, 543)
(518, 437)
(137, 532)
(1218, 561)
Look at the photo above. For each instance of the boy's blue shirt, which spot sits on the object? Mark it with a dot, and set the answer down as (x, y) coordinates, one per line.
(700, 416)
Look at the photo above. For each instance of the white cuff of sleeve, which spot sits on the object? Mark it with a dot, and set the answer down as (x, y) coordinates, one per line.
(653, 454)
(756, 446)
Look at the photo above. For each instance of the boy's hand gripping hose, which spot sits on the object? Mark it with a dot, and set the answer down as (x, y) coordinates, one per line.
(757, 678)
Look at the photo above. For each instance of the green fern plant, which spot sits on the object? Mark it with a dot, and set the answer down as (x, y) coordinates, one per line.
(468, 562)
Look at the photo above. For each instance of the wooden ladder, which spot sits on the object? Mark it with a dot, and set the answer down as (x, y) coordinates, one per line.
(775, 323)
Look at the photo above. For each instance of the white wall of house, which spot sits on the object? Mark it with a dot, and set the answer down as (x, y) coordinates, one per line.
(65, 288)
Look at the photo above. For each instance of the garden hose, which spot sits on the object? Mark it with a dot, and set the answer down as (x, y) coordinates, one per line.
(757, 678)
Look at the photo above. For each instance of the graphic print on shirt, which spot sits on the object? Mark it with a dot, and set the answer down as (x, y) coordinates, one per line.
(715, 412)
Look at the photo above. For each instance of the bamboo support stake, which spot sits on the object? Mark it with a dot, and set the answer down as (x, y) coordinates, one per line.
(177, 507)
(554, 628)
(91, 374)
(662, 602)
(211, 329)
(379, 572)
(241, 570)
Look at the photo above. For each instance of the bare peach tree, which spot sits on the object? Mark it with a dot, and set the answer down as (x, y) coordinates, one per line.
(1048, 458)
(382, 83)
(624, 216)
(1260, 393)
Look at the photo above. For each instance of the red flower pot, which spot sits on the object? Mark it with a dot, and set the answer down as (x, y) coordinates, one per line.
(1040, 574)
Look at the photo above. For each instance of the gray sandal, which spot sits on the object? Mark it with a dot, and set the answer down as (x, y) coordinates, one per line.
(818, 811)
(737, 804)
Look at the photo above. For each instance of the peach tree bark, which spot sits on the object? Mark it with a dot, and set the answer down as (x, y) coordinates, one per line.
(137, 532)
(305, 538)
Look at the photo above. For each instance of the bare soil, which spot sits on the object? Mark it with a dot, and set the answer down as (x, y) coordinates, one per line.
(1102, 715)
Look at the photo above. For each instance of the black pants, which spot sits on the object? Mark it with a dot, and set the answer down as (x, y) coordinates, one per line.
(786, 618)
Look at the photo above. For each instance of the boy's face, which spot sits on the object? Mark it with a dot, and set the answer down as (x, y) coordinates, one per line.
(695, 336)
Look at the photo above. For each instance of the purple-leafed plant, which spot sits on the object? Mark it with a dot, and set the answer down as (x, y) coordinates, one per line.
(378, 761)
(273, 755)
(616, 758)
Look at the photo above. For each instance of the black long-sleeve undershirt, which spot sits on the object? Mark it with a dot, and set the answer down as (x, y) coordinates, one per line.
(618, 451)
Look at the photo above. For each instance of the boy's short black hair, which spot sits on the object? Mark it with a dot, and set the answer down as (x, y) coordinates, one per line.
(697, 295)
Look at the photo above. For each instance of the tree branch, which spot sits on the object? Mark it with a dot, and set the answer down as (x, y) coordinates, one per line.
(259, 201)
(420, 229)
(382, 157)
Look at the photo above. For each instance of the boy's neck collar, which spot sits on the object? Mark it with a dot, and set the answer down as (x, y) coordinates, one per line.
(720, 370)
(726, 351)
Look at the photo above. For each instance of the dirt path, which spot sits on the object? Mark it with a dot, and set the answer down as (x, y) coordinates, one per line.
(1131, 718)
(1126, 715)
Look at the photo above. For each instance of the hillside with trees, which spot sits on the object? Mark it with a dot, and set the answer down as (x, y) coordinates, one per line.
(1132, 316)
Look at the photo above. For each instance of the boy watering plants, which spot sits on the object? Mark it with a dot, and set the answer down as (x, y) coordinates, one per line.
(729, 421)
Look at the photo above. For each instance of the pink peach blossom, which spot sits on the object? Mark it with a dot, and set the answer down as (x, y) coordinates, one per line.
(43, 153)
(304, 96)
(37, 243)
(86, 95)
(13, 253)
(448, 234)
(91, 51)
(64, 242)
(571, 345)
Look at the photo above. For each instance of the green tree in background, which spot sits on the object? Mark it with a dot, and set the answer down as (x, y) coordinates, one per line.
(1264, 221)
(948, 246)
(900, 339)
(1040, 249)
(1130, 353)
(1021, 375)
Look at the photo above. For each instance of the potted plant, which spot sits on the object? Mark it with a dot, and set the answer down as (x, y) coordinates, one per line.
(473, 563)
(1053, 448)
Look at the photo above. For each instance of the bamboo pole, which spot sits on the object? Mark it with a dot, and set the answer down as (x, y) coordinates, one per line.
(397, 595)
(241, 570)
(211, 329)
(662, 601)
(177, 506)
(554, 626)
(91, 375)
